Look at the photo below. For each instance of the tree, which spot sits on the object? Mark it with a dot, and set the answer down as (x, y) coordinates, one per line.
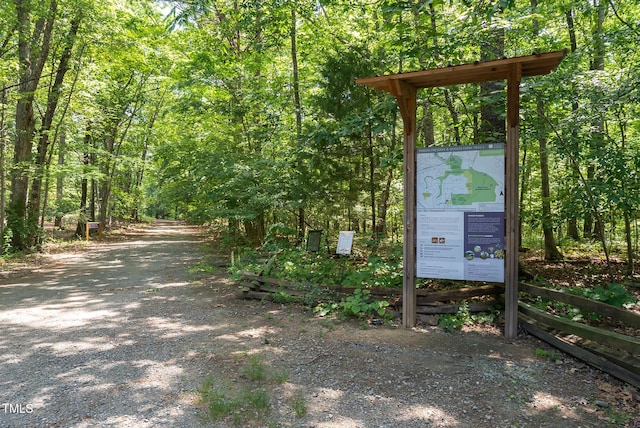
(551, 251)
(34, 35)
(45, 129)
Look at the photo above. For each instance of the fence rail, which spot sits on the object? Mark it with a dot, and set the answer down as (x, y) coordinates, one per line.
(615, 353)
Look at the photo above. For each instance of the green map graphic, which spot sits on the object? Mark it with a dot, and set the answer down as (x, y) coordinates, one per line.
(481, 187)
(460, 178)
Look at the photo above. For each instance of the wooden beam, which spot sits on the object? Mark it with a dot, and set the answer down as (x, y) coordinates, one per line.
(530, 325)
(479, 71)
(627, 317)
(405, 95)
(603, 337)
(453, 309)
(512, 237)
(459, 293)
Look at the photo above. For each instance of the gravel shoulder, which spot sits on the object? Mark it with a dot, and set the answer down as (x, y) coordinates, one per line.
(125, 334)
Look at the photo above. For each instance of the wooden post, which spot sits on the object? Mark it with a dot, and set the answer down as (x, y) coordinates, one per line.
(405, 95)
(512, 243)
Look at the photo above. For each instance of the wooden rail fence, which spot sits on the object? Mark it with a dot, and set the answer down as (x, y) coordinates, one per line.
(614, 353)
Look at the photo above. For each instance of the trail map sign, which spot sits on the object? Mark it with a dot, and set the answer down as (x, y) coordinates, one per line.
(403, 87)
(460, 212)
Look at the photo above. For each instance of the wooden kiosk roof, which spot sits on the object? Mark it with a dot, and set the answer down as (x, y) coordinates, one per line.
(479, 71)
(404, 87)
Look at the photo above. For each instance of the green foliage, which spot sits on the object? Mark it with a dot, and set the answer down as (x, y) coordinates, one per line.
(248, 405)
(6, 241)
(246, 402)
(326, 308)
(451, 322)
(614, 294)
(219, 404)
(299, 405)
(194, 118)
(245, 259)
(282, 297)
(551, 355)
(203, 267)
(302, 267)
(541, 353)
(378, 272)
(309, 272)
(256, 369)
(361, 304)
(454, 322)
(279, 237)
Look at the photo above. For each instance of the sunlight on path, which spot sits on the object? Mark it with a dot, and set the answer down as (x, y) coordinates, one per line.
(96, 339)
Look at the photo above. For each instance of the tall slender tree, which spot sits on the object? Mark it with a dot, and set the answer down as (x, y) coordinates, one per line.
(551, 251)
(34, 36)
(45, 129)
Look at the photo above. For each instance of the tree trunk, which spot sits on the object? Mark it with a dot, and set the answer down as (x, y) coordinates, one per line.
(551, 251)
(62, 147)
(383, 203)
(598, 122)
(104, 188)
(33, 50)
(524, 183)
(572, 221)
(372, 181)
(298, 113)
(33, 211)
(84, 191)
(629, 241)
(493, 127)
(428, 126)
(3, 176)
(455, 117)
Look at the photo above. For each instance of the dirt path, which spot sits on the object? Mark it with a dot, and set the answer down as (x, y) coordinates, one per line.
(95, 339)
(123, 335)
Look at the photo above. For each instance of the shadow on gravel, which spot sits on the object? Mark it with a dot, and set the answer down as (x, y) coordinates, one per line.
(98, 339)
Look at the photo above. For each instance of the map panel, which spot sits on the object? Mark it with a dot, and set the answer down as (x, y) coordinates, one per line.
(461, 178)
(460, 212)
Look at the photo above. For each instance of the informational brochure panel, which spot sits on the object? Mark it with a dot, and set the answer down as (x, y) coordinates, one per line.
(345, 242)
(460, 212)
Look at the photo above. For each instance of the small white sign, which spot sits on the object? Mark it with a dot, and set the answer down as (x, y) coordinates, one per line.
(345, 242)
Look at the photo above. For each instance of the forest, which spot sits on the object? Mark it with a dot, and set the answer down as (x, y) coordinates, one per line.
(245, 115)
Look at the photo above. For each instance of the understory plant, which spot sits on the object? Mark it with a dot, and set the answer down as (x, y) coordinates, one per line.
(453, 322)
(298, 265)
(614, 294)
(358, 305)
(361, 304)
(246, 401)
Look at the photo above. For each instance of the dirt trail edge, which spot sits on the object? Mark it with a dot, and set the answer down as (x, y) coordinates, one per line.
(126, 335)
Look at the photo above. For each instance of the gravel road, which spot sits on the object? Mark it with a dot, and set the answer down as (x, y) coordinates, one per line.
(125, 334)
(95, 338)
